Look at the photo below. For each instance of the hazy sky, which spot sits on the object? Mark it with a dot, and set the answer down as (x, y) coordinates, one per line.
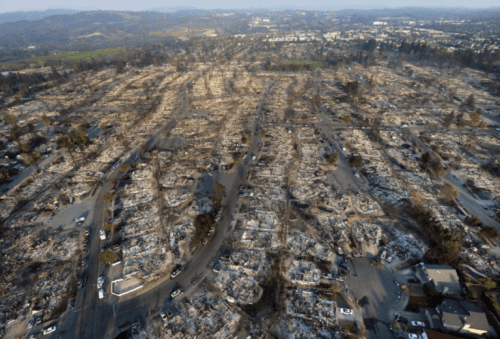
(138, 5)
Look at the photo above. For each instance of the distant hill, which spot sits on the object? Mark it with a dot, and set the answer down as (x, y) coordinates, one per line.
(63, 29)
(101, 27)
(33, 15)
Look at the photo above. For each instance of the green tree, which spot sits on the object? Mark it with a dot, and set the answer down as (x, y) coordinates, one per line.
(80, 139)
(25, 148)
(487, 284)
(472, 220)
(475, 118)
(4, 175)
(46, 120)
(107, 257)
(352, 88)
(67, 143)
(107, 226)
(123, 168)
(332, 158)
(489, 232)
(15, 132)
(336, 289)
(219, 194)
(108, 197)
(10, 119)
(451, 254)
(448, 192)
(356, 161)
(448, 120)
(470, 101)
(34, 157)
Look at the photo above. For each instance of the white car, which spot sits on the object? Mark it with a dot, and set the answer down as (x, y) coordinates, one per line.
(101, 293)
(417, 323)
(346, 311)
(175, 273)
(230, 299)
(79, 219)
(49, 329)
(30, 323)
(176, 293)
(163, 316)
(413, 336)
(100, 282)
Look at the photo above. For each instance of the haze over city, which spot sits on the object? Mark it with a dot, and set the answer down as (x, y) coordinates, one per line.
(132, 5)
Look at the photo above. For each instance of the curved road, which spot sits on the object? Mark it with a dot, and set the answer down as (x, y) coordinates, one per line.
(108, 317)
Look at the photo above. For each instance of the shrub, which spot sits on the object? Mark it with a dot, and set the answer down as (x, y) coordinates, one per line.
(472, 220)
(356, 161)
(449, 193)
(10, 119)
(108, 197)
(332, 157)
(46, 120)
(346, 119)
(487, 284)
(107, 226)
(4, 175)
(489, 232)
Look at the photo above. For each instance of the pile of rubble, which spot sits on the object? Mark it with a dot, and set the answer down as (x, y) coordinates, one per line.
(202, 316)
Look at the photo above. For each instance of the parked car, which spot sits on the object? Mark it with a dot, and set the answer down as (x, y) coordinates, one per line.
(49, 329)
(216, 268)
(101, 293)
(30, 323)
(176, 293)
(346, 311)
(413, 281)
(177, 270)
(417, 323)
(80, 219)
(163, 316)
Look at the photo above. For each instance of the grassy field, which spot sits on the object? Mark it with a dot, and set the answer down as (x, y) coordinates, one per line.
(297, 66)
(314, 64)
(65, 57)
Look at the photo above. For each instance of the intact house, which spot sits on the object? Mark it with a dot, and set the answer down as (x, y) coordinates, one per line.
(442, 278)
(462, 317)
